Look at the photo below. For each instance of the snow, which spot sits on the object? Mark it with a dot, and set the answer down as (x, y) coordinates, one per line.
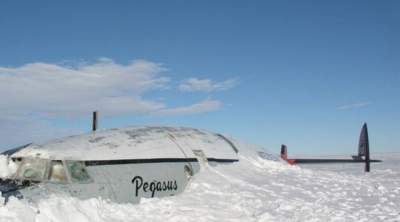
(7, 168)
(252, 189)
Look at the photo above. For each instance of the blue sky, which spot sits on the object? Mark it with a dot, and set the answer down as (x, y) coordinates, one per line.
(303, 73)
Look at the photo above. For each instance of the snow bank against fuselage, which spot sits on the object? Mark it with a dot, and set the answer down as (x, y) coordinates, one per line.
(7, 167)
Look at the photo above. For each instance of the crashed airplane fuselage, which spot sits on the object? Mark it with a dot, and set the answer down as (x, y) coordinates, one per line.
(123, 165)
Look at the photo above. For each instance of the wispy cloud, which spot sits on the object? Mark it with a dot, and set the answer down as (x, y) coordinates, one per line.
(353, 106)
(207, 105)
(206, 85)
(61, 90)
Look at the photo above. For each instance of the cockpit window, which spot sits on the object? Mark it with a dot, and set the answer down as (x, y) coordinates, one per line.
(37, 169)
(32, 169)
(57, 172)
(77, 171)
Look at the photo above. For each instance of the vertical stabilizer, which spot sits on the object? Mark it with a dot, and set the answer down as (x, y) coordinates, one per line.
(284, 155)
(363, 142)
(284, 152)
(363, 147)
(94, 121)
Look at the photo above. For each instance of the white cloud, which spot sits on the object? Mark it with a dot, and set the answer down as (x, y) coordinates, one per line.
(206, 85)
(58, 90)
(354, 106)
(207, 105)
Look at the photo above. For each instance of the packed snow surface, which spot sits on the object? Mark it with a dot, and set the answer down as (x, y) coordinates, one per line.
(249, 190)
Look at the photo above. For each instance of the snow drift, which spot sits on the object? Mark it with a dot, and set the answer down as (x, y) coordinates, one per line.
(252, 189)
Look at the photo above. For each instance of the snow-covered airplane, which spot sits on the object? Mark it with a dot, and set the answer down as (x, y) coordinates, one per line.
(123, 165)
(362, 157)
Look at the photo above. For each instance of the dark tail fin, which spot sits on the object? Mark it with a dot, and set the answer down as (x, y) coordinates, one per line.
(94, 122)
(363, 141)
(363, 147)
(284, 155)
